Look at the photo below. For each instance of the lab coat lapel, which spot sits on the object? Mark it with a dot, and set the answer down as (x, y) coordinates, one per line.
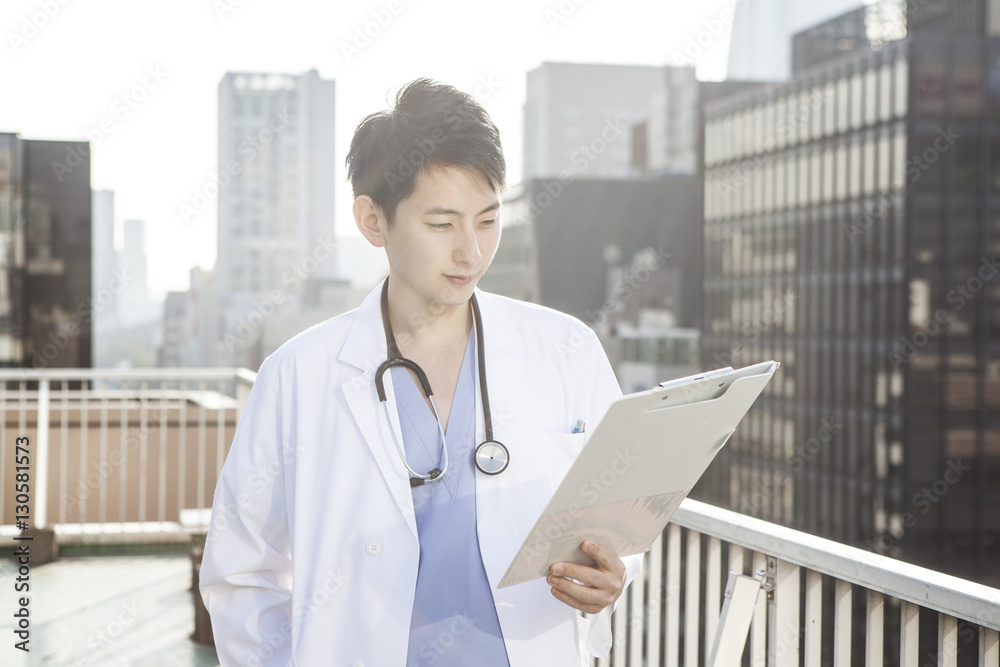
(365, 349)
(505, 374)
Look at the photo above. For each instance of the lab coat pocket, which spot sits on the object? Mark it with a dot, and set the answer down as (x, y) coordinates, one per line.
(557, 450)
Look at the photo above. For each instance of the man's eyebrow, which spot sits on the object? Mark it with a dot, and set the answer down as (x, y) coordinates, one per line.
(440, 210)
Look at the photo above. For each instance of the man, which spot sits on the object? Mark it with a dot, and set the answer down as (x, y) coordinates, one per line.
(351, 530)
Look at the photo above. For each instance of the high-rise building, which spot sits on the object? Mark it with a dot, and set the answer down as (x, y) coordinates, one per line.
(134, 305)
(669, 140)
(851, 233)
(760, 45)
(45, 253)
(578, 117)
(276, 153)
(602, 249)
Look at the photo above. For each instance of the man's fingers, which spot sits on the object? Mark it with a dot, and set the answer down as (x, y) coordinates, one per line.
(606, 558)
(588, 574)
(585, 595)
(576, 604)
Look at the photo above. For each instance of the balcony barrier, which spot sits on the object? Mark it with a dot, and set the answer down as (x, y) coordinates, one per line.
(871, 614)
(127, 455)
(117, 454)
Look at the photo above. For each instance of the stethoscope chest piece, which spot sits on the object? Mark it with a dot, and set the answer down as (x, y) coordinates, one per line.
(492, 457)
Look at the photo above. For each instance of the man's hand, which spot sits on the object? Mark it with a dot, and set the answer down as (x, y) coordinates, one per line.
(604, 582)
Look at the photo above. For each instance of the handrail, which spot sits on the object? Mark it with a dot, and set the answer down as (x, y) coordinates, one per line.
(941, 592)
(126, 373)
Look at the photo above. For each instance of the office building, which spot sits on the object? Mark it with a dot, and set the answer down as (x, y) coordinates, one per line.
(276, 190)
(134, 304)
(45, 253)
(601, 249)
(577, 118)
(105, 261)
(669, 139)
(851, 233)
(760, 43)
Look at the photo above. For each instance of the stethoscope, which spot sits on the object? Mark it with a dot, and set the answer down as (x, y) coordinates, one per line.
(491, 455)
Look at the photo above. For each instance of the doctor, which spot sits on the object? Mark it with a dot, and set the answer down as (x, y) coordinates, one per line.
(350, 531)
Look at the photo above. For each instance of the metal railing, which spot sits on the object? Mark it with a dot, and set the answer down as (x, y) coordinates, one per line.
(671, 617)
(116, 452)
(122, 455)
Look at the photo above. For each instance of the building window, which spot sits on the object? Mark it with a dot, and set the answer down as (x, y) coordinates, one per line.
(868, 165)
(885, 93)
(871, 97)
(901, 86)
(829, 108)
(780, 181)
(884, 162)
(814, 177)
(854, 170)
(842, 105)
(899, 175)
(840, 179)
(811, 112)
(828, 171)
(857, 101)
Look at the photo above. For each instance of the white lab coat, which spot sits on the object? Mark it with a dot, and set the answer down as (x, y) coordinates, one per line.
(313, 492)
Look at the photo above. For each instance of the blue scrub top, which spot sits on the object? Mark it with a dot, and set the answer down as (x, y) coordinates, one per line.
(454, 619)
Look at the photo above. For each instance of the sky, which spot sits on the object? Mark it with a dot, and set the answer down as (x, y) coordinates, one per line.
(140, 79)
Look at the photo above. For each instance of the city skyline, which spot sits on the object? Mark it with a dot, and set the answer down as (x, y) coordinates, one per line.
(152, 117)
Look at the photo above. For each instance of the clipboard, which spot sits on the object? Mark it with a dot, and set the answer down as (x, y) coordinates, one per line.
(643, 458)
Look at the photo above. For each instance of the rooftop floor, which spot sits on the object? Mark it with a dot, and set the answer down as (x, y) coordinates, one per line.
(114, 608)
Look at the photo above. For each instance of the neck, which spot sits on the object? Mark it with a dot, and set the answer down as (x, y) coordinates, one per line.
(415, 320)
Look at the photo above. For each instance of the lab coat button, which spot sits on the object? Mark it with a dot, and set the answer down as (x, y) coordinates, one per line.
(374, 549)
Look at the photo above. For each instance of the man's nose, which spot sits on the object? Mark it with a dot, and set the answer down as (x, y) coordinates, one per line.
(467, 250)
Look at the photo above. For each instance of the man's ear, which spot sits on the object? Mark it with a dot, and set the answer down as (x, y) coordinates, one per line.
(371, 223)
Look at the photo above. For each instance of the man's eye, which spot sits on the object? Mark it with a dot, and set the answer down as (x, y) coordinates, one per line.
(489, 222)
(441, 225)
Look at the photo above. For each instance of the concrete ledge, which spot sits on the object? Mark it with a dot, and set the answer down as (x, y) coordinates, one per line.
(42, 545)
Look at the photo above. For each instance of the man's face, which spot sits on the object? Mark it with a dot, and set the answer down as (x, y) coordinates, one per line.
(444, 236)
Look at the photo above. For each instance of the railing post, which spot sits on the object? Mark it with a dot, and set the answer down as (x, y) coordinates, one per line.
(244, 383)
(42, 455)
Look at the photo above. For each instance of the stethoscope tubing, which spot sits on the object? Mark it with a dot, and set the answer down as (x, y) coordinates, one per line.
(491, 456)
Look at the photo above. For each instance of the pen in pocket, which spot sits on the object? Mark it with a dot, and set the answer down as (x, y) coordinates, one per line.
(579, 426)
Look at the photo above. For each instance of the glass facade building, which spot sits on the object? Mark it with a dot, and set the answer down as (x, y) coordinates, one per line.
(852, 232)
(46, 306)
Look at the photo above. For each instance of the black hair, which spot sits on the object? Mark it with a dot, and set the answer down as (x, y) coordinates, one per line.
(431, 124)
